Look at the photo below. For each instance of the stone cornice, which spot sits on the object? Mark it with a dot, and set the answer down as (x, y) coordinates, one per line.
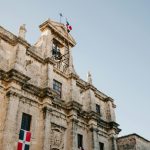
(109, 99)
(73, 105)
(86, 86)
(34, 55)
(8, 36)
(81, 83)
(13, 75)
(40, 92)
(91, 87)
(11, 38)
(23, 42)
(100, 122)
(93, 115)
(13, 92)
(38, 58)
(58, 102)
(73, 76)
(49, 60)
(134, 135)
(60, 73)
(109, 125)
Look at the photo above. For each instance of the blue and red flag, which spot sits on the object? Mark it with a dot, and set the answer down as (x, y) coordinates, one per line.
(24, 140)
(69, 27)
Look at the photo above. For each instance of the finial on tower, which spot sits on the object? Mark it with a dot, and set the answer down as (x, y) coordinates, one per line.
(22, 31)
(89, 78)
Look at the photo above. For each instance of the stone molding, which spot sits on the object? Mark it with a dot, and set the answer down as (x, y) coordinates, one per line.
(40, 92)
(23, 98)
(86, 86)
(34, 55)
(134, 135)
(13, 75)
(109, 125)
(73, 105)
(11, 38)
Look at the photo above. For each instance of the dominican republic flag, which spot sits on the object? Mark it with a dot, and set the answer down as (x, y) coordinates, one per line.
(69, 27)
(24, 140)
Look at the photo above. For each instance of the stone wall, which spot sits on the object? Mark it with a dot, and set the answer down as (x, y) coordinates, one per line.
(133, 142)
(142, 144)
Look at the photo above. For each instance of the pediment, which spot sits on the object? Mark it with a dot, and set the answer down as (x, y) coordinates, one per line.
(60, 28)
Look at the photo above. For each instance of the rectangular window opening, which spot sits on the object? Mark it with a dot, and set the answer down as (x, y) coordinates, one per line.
(80, 141)
(97, 108)
(57, 86)
(101, 146)
(26, 121)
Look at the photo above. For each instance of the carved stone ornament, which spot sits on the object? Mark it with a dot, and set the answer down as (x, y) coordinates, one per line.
(56, 140)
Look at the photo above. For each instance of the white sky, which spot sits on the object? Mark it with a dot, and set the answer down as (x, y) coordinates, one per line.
(113, 42)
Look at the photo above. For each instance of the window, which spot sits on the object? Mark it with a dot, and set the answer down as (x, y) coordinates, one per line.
(56, 51)
(57, 86)
(26, 121)
(101, 146)
(80, 141)
(98, 108)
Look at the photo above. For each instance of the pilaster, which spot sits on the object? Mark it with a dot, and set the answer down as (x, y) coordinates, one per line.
(95, 143)
(74, 134)
(10, 131)
(47, 127)
(114, 143)
(19, 64)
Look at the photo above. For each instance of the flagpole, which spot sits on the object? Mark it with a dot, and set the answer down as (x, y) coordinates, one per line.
(60, 14)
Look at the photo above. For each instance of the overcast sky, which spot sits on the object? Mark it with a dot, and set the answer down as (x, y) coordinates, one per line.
(113, 42)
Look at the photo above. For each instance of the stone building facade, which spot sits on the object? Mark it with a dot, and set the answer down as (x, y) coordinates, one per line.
(133, 142)
(38, 83)
(41, 95)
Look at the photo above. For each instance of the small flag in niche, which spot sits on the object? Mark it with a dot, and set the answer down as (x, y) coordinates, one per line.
(69, 27)
(24, 140)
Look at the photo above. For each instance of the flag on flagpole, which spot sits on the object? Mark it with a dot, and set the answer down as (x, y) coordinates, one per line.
(69, 27)
(24, 140)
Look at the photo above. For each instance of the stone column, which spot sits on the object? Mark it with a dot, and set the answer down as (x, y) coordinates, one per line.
(10, 137)
(47, 128)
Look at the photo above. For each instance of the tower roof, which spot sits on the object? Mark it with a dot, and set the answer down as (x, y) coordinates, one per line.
(58, 28)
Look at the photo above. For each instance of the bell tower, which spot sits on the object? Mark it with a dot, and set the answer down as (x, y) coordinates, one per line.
(56, 43)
